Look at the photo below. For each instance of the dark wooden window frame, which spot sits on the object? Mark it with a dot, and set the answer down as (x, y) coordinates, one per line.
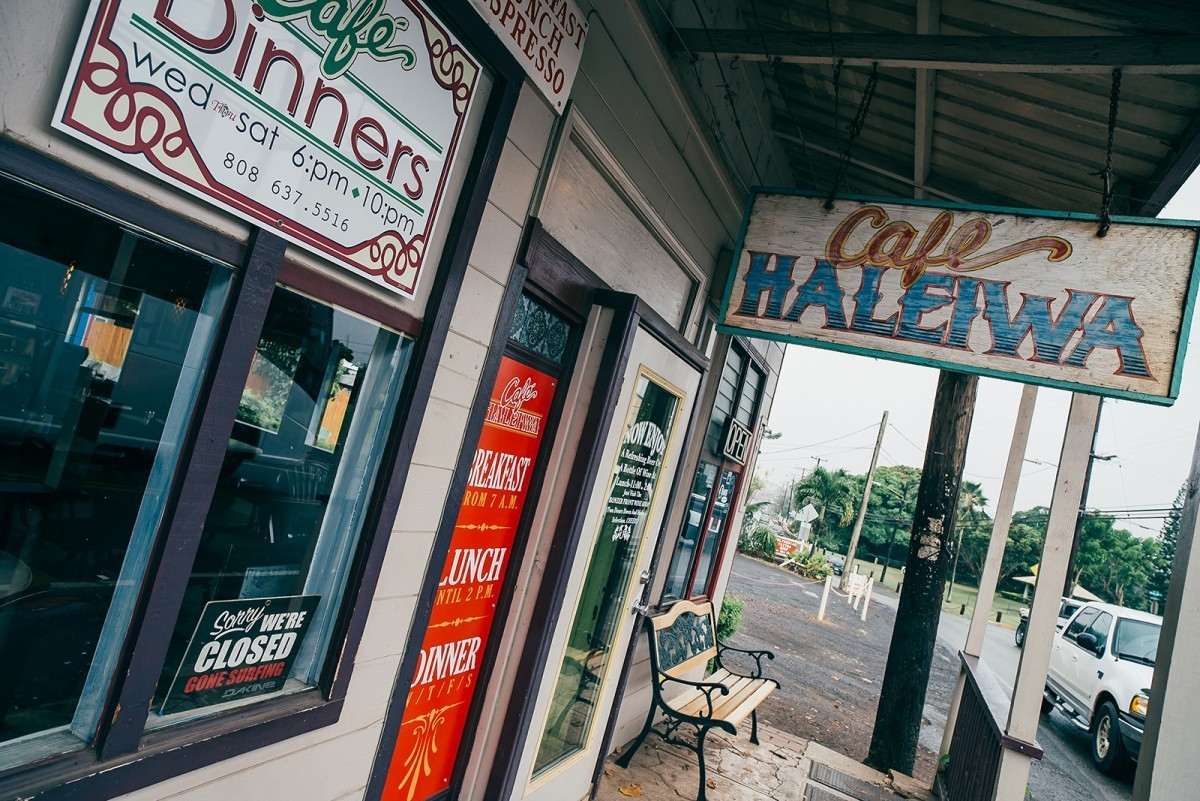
(121, 756)
(689, 586)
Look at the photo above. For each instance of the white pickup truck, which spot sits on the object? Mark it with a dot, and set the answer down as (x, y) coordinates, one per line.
(1101, 668)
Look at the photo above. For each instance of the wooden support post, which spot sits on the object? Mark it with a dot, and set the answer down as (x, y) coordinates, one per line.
(995, 553)
(1167, 765)
(1030, 682)
(824, 597)
(1000, 525)
(906, 677)
(867, 597)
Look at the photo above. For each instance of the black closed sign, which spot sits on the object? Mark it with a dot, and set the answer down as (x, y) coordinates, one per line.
(240, 649)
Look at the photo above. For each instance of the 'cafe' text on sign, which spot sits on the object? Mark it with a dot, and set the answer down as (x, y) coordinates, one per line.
(1031, 296)
(334, 125)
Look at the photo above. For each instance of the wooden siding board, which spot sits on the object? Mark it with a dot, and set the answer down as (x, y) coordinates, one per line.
(653, 162)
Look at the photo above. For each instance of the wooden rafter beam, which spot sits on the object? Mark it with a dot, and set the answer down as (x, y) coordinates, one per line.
(929, 19)
(1154, 54)
(893, 172)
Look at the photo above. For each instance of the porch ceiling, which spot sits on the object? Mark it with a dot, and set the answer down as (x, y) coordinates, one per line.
(975, 103)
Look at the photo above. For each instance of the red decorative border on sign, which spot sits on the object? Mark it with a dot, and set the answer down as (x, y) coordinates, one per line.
(153, 127)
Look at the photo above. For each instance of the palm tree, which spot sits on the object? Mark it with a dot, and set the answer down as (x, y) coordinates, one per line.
(831, 491)
(971, 503)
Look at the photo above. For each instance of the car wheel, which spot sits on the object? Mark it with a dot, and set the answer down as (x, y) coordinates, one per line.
(1020, 635)
(1046, 704)
(1108, 751)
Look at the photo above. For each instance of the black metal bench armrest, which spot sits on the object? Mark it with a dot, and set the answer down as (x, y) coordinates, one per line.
(706, 687)
(758, 657)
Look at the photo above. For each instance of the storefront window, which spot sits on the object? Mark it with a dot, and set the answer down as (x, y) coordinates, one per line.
(693, 527)
(286, 514)
(706, 522)
(715, 535)
(103, 338)
(602, 602)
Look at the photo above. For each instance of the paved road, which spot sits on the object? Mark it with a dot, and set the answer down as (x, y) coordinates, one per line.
(1066, 772)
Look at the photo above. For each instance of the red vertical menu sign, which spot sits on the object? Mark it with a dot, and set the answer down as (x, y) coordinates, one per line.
(480, 551)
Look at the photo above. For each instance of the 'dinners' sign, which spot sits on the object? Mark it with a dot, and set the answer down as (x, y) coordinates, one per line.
(1031, 296)
(333, 124)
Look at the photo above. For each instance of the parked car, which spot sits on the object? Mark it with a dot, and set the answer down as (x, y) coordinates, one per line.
(838, 563)
(1100, 672)
(1066, 608)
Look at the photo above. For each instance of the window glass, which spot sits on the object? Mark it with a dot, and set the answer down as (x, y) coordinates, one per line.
(748, 402)
(287, 510)
(1081, 622)
(714, 536)
(604, 596)
(540, 330)
(1099, 629)
(1136, 640)
(103, 339)
(726, 399)
(693, 527)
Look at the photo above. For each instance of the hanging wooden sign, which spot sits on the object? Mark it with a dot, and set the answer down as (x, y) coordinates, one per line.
(1030, 296)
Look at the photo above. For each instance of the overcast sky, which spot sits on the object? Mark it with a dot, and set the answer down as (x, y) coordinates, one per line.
(828, 406)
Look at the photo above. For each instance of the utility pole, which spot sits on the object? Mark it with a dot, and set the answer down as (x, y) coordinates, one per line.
(862, 507)
(914, 635)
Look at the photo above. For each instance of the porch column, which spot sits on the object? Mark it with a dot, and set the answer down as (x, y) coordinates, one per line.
(995, 554)
(1035, 657)
(1171, 721)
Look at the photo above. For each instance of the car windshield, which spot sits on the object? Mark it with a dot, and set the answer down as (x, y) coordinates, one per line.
(1136, 640)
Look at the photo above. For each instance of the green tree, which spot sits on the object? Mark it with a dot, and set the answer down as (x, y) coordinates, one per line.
(1023, 551)
(1164, 558)
(890, 510)
(1113, 563)
(975, 531)
(832, 493)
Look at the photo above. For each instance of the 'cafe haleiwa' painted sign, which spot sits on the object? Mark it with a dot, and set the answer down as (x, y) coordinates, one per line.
(334, 125)
(1030, 296)
(480, 552)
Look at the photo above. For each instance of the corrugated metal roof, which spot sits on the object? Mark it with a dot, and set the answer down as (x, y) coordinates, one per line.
(997, 137)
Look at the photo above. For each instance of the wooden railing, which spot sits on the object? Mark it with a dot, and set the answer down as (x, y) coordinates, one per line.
(979, 739)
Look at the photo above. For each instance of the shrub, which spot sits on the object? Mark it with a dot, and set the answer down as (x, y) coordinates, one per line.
(730, 617)
(812, 566)
(757, 541)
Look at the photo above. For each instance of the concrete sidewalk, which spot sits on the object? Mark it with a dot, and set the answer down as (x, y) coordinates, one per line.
(781, 768)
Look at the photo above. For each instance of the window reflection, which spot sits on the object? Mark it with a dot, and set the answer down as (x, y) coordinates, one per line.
(99, 333)
(298, 468)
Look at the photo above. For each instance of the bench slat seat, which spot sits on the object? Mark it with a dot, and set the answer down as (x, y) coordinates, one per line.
(683, 639)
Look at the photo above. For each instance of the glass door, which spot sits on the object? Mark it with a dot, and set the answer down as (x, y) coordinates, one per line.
(625, 514)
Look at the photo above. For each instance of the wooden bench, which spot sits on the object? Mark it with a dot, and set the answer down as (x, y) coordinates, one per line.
(682, 639)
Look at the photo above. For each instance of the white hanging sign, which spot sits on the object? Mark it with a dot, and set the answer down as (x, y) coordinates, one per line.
(545, 37)
(1031, 296)
(333, 124)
